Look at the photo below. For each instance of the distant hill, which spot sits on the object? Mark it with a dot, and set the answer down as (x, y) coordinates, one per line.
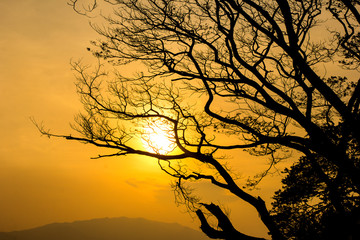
(107, 229)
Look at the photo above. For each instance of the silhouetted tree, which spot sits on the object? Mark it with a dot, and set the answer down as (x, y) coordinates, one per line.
(250, 70)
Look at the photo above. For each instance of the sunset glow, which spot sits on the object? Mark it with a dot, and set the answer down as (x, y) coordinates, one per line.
(158, 137)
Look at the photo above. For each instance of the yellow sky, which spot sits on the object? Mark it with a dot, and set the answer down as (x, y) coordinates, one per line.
(51, 180)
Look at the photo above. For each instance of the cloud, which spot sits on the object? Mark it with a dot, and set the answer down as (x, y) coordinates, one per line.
(146, 183)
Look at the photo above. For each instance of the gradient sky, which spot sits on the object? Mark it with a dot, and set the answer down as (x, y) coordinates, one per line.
(52, 180)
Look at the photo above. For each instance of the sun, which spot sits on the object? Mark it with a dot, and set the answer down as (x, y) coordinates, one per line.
(158, 137)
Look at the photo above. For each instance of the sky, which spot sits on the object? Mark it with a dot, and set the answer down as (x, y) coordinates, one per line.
(46, 180)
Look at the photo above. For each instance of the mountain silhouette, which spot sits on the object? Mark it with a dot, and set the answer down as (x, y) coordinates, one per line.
(107, 229)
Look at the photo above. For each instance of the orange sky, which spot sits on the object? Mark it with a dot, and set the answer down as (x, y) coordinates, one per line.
(51, 180)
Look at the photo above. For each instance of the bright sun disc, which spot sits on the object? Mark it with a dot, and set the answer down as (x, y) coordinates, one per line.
(158, 137)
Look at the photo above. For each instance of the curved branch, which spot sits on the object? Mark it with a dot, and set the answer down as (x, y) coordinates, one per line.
(228, 231)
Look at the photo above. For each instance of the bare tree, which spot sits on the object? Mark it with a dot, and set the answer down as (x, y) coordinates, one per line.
(247, 69)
